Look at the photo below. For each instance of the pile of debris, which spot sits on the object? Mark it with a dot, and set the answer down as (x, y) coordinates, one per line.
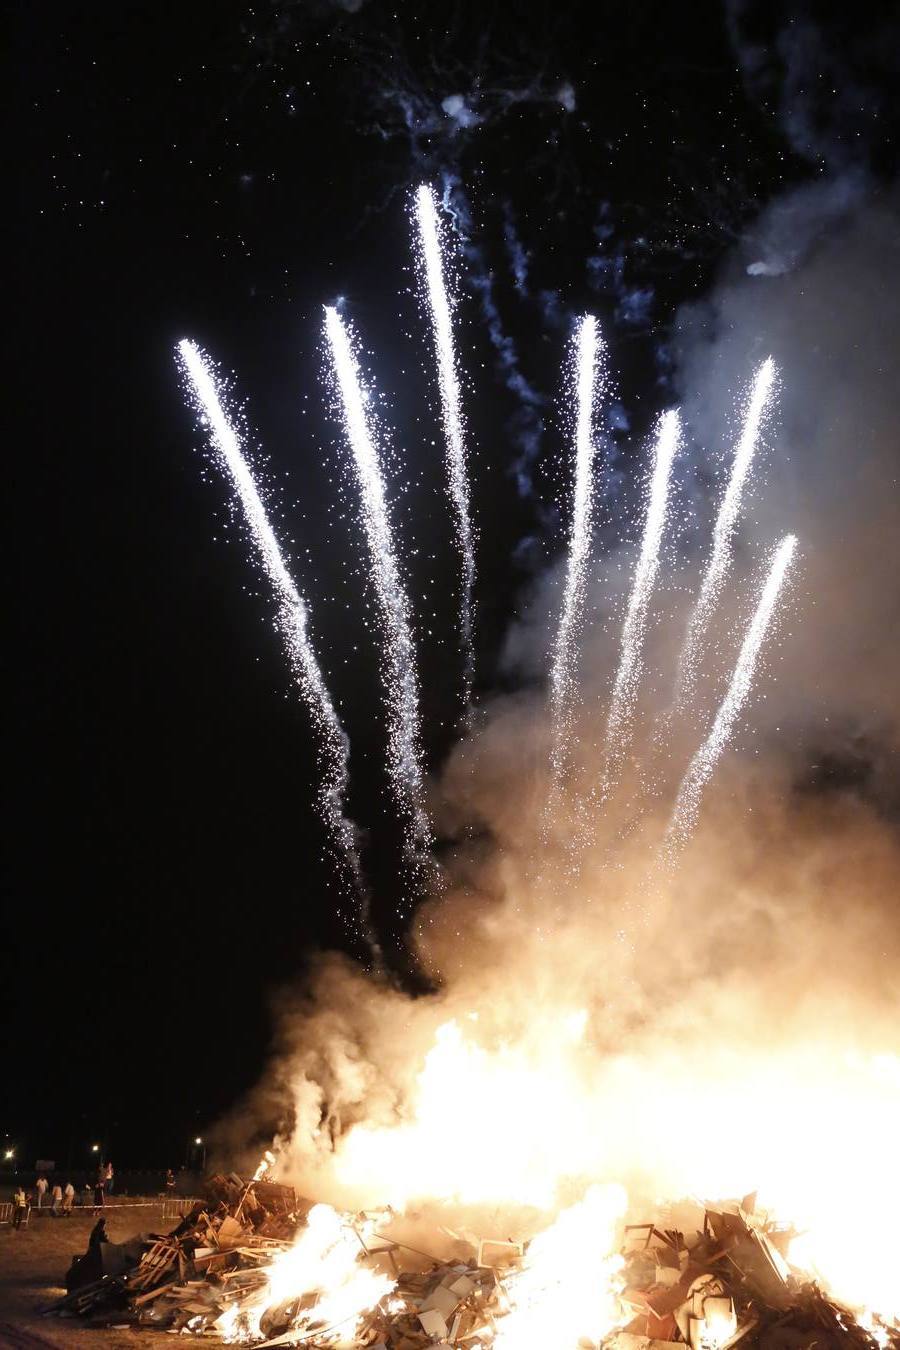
(727, 1282)
(217, 1253)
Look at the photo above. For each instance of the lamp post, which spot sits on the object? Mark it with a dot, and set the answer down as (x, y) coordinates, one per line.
(200, 1151)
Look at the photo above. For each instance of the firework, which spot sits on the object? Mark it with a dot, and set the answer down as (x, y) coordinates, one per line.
(723, 531)
(293, 618)
(563, 686)
(429, 236)
(399, 659)
(702, 766)
(668, 435)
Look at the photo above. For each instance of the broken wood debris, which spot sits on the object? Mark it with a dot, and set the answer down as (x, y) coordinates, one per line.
(725, 1284)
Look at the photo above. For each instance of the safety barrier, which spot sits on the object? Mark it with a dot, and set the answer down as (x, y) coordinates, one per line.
(178, 1207)
(172, 1207)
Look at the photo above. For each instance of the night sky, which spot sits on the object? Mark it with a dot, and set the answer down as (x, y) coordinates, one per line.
(220, 171)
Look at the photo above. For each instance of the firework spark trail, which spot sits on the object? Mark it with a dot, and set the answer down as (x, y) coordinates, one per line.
(401, 680)
(624, 695)
(333, 749)
(702, 766)
(563, 687)
(430, 251)
(723, 531)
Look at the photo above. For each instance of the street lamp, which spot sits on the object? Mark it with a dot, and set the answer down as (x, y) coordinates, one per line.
(9, 1154)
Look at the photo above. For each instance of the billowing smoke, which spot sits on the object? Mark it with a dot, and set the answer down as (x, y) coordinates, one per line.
(825, 82)
(792, 223)
(830, 473)
(587, 1029)
(727, 1025)
(516, 252)
(473, 105)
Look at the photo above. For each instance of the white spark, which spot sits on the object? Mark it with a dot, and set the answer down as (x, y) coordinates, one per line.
(429, 235)
(563, 686)
(723, 531)
(702, 766)
(399, 660)
(293, 617)
(668, 436)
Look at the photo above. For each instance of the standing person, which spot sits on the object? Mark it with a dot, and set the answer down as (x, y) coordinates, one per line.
(68, 1200)
(98, 1195)
(170, 1181)
(41, 1188)
(20, 1206)
(56, 1197)
(108, 1178)
(98, 1235)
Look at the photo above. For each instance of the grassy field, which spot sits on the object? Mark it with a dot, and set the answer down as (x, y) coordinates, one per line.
(33, 1265)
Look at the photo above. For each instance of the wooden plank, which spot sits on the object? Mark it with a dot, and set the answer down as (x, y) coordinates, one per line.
(151, 1294)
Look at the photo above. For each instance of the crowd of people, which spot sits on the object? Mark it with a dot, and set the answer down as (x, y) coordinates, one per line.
(62, 1199)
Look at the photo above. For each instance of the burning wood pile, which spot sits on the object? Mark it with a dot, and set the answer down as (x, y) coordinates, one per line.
(253, 1264)
(727, 1283)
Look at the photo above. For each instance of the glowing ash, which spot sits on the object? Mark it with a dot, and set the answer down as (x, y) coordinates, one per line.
(431, 255)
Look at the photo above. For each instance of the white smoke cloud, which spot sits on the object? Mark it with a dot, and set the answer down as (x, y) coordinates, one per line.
(825, 86)
(459, 112)
(833, 327)
(792, 224)
(755, 984)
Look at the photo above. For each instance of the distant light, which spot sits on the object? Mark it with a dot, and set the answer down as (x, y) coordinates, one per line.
(95, 1148)
(198, 1140)
(10, 1153)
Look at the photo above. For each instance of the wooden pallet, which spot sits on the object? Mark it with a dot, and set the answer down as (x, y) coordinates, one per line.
(154, 1265)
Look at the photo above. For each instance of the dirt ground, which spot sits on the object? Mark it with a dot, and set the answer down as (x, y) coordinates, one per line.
(33, 1264)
